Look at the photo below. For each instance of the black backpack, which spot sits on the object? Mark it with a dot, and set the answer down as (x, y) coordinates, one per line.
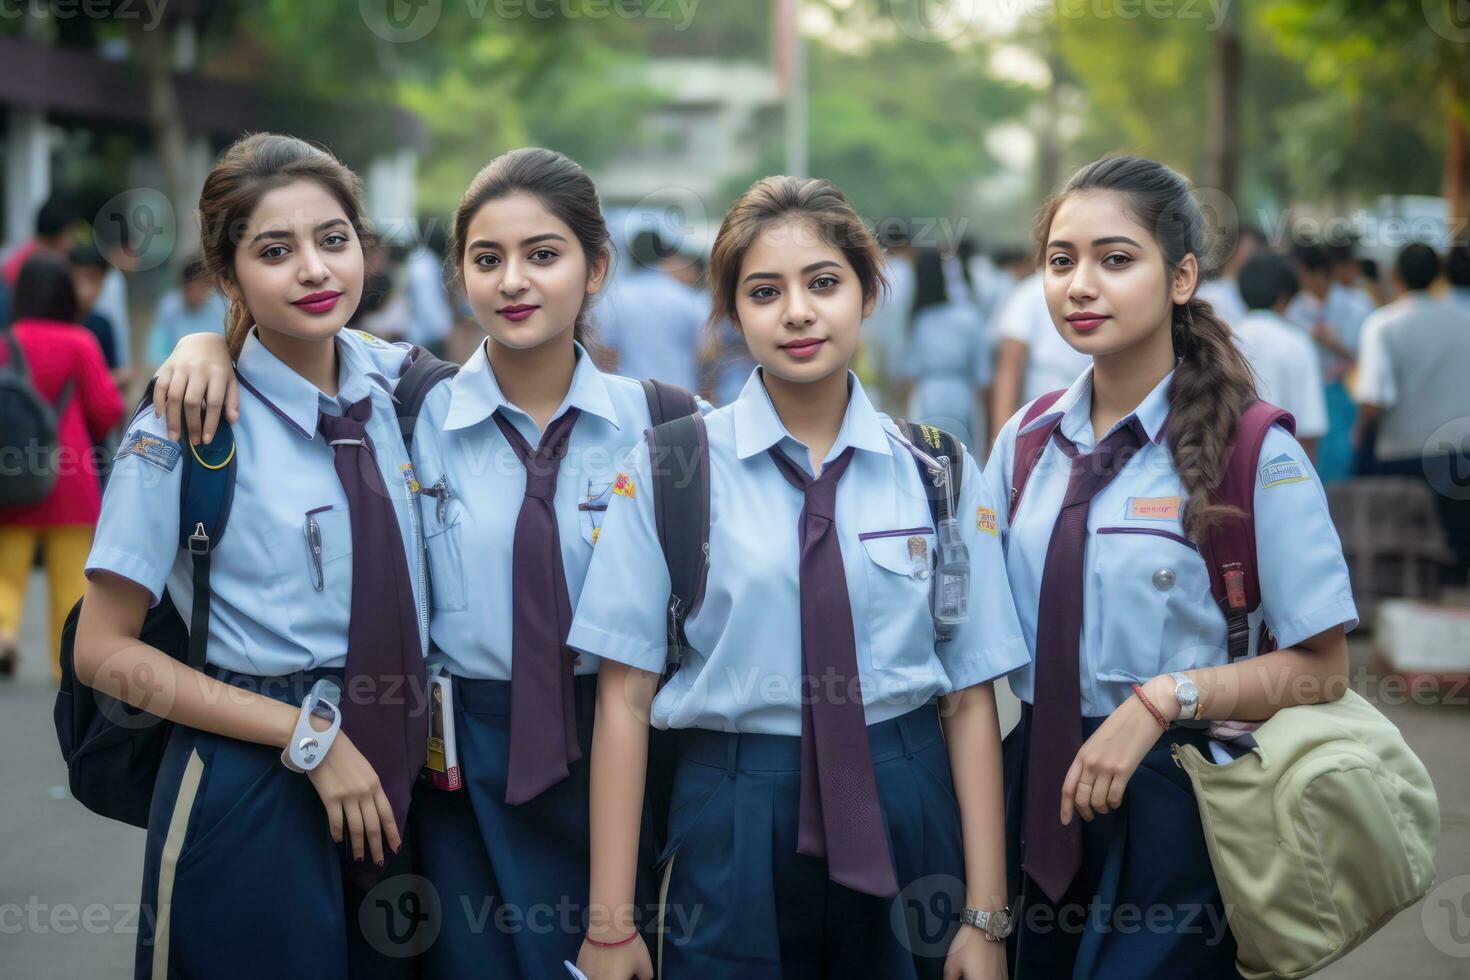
(113, 750)
(28, 432)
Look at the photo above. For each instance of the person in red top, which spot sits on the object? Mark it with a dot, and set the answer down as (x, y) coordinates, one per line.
(57, 350)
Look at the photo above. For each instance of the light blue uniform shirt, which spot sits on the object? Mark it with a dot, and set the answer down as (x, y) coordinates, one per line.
(948, 358)
(656, 325)
(470, 534)
(267, 617)
(743, 671)
(1147, 607)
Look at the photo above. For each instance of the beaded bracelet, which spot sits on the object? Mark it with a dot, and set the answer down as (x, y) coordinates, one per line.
(1158, 715)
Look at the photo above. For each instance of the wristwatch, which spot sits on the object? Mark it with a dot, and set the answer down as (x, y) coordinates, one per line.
(995, 925)
(1186, 692)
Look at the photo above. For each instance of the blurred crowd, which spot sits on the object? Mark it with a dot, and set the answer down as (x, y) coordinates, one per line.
(1372, 360)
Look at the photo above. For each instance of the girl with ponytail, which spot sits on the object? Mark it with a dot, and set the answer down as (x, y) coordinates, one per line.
(1102, 553)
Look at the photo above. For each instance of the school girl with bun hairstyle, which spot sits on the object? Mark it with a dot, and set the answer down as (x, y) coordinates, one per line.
(1116, 493)
(314, 587)
(836, 799)
(518, 455)
(514, 462)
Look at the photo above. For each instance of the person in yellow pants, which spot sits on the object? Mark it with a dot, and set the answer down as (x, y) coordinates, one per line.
(64, 547)
(60, 360)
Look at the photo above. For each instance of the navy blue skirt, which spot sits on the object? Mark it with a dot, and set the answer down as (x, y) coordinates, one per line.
(1145, 902)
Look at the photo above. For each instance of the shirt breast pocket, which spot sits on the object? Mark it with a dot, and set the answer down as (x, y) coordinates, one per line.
(899, 566)
(446, 566)
(335, 528)
(1157, 611)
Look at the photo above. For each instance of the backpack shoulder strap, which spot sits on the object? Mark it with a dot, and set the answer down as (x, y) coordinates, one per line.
(206, 491)
(678, 453)
(1029, 445)
(948, 449)
(666, 401)
(1229, 548)
(413, 388)
(16, 361)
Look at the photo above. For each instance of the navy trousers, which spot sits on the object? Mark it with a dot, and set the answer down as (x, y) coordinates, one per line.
(241, 877)
(1145, 902)
(736, 900)
(511, 882)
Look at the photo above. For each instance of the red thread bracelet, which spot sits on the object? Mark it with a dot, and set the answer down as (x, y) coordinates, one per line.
(620, 942)
(1158, 715)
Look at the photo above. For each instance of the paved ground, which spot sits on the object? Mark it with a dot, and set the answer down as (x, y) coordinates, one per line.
(69, 880)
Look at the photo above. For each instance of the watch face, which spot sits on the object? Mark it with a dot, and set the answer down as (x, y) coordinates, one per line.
(1000, 923)
(1187, 693)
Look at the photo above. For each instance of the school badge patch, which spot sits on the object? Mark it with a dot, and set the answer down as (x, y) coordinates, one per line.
(1282, 469)
(160, 452)
(985, 520)
(624, 486)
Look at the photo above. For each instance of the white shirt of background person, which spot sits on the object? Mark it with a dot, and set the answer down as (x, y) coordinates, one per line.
(1285, 366)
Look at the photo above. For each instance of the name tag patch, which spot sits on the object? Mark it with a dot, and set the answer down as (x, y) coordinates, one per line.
(1282, 469)
(624, 486)
(1153, 509)
(160, 452)
(985, 520)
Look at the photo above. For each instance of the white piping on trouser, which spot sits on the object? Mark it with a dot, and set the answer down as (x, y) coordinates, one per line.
(173, 843)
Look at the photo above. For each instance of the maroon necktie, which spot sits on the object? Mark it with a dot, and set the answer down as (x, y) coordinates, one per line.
(841, 819)
(1052, 853)
(543, 722)
(385, 659)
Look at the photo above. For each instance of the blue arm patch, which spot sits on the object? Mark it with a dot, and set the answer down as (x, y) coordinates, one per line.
(159, 452)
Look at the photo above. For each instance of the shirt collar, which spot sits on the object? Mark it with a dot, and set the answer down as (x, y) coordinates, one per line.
(296, 400)
(758, 427)
(1075, 411)
(475, 395)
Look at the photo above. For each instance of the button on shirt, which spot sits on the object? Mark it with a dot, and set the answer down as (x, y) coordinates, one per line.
(1147, 607)
(276, 608)
(743, 668)
(473, 484)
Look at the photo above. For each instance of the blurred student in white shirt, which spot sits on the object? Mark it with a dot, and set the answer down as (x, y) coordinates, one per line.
(1332, 315)
(1281, 356)
(1223, 292)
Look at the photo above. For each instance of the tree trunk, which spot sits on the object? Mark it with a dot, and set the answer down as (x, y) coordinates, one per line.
(154, 51)
(1457, 155)
(1222, 170)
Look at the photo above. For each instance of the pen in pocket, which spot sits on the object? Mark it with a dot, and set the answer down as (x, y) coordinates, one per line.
(313, 532)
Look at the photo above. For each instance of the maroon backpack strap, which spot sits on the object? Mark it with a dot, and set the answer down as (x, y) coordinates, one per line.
(1029, 445)
(1229, 549)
